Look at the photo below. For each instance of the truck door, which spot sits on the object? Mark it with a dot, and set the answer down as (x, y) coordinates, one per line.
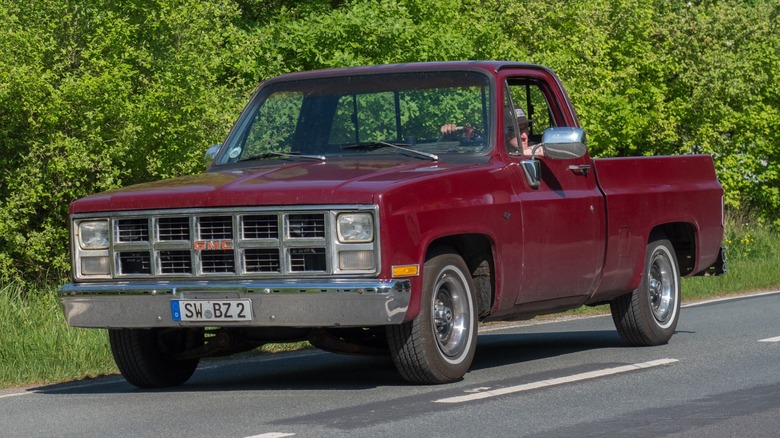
(563, 219)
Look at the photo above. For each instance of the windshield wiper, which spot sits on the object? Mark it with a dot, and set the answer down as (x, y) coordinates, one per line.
(266, 155)
(384, 144)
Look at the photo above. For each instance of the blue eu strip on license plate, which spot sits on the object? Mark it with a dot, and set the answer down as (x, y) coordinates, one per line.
(211, 310)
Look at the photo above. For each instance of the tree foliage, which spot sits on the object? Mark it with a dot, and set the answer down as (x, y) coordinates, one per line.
(97, 94)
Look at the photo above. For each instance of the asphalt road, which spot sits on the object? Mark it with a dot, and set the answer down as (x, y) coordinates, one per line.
(718, 377)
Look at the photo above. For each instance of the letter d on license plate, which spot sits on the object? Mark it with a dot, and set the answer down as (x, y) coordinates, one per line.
(211, 311)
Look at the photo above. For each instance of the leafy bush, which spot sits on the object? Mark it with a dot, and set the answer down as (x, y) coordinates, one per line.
(97, 95)
(100, 94)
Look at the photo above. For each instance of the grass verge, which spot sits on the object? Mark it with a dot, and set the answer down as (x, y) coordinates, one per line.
(752, 262)
(37, 346)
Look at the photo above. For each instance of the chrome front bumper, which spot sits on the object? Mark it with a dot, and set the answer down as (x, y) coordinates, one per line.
(343, 303)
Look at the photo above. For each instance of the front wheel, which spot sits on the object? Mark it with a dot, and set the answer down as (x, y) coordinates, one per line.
(438, 346)
(649, 314)
(147, 357)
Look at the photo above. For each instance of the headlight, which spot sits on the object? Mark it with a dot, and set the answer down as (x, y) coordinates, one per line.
(355, 228)
(93, 234)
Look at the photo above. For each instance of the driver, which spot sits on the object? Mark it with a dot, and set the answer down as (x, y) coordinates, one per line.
(451, 131)
(520, 143)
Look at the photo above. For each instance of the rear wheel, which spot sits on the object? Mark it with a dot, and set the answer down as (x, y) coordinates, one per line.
(649, 314)
(147, 358)
(438, 346)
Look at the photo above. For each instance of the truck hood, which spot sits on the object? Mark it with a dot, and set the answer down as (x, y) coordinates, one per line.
(337, 181)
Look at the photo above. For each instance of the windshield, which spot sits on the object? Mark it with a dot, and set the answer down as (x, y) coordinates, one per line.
(365, 114)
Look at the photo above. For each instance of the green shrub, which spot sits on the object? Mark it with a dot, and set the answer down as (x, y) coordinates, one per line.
(96, 95)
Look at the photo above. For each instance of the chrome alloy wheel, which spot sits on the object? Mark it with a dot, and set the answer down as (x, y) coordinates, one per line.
(451, 314)
(649, 314)
(661, 287)
(438, 345)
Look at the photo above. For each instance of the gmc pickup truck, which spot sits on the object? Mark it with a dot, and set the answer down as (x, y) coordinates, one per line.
(389, 210)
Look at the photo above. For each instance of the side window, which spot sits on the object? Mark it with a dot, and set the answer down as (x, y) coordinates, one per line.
(527, 95)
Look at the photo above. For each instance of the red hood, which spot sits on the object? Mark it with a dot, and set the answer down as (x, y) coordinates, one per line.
(302, 183)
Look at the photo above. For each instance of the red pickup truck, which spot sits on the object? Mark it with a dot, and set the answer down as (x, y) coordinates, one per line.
(388, 210)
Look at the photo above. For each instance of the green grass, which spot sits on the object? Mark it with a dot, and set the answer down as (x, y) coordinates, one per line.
(742, 276)
(38, 347)
(752, 261)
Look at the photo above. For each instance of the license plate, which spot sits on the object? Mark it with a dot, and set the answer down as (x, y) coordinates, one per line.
(211, 311)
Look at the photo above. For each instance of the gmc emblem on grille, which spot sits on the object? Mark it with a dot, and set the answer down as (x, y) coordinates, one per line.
(212, 245)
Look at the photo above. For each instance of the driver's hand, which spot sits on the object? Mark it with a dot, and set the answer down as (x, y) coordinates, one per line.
(450, 129)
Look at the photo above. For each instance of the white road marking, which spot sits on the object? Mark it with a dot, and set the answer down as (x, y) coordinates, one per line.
(480, 389)
(272, 435)
(776, 339)
(553, 382)
(731, 298)
(14, 394)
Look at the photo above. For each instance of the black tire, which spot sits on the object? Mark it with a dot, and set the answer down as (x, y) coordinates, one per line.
(649, 314)
(144, 357)
(438, 346)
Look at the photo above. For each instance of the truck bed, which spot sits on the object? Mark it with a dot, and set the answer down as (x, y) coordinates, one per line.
(666, 187)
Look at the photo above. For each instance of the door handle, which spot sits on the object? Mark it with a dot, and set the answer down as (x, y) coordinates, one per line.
(580, 169)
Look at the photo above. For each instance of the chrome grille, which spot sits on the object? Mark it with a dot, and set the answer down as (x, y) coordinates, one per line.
(216, 227)
(132, 230)
(134, 263)
(173, 228)
(264, 226)
(175, 262)
(301, 226)
(217, 262)
(225, 243)
(307, 259)
(261, 260)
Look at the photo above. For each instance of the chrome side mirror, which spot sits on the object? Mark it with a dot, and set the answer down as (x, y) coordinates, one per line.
(558, 144)
(564, 143)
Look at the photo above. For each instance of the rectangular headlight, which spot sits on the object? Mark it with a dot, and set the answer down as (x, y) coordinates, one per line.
(355, 227)
(93, 234)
